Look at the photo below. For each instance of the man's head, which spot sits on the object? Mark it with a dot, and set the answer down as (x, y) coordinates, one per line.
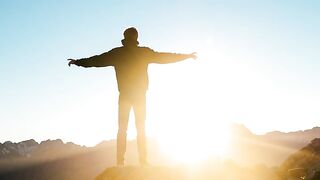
(130, 36)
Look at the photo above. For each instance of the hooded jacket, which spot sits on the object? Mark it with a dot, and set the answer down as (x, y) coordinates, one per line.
(131, 64)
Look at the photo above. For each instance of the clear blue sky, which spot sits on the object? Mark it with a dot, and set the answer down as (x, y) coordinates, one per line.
(265, 58)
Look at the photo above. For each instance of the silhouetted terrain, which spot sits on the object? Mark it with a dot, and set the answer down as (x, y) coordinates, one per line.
(65, 161)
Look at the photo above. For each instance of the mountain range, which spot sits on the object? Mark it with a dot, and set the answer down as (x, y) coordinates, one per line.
(48, 159)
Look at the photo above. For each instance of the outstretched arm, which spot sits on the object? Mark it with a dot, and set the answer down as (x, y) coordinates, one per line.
(101, 60)
(164, 58)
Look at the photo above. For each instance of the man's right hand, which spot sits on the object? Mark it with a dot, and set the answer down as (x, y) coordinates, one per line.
(71, 61)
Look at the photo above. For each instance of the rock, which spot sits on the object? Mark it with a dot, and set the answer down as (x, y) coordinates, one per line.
(140, 173)
(303, 163)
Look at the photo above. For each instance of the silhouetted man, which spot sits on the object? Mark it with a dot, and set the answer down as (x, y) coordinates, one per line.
(131, 65)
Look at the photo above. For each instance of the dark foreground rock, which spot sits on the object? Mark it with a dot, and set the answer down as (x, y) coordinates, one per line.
(305, 163)
(225, 172)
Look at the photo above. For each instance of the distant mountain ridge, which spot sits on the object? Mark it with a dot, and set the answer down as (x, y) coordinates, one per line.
(29, 148)
(271, 148)
(295, 138)
(242, 136)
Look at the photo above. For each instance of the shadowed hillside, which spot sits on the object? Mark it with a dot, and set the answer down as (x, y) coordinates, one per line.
(80, 166)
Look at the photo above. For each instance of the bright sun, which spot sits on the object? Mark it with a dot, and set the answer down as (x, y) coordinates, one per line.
(186, 122)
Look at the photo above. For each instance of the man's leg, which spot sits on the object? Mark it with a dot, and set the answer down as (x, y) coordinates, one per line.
(123, 118)
(139, 107)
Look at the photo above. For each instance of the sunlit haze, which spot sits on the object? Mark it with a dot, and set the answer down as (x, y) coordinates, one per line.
(254, 67)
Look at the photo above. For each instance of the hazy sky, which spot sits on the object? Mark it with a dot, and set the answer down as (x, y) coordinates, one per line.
(258, 65)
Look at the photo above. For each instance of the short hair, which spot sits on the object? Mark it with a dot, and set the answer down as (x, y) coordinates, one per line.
(131, 33)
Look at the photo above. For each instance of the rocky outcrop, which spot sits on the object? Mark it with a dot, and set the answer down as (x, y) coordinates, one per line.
(306, 160)
(22, 149)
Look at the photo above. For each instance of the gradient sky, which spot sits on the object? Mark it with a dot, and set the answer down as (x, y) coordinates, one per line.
(258, 65)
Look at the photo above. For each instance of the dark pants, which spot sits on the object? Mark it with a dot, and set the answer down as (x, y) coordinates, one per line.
(137, 101)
